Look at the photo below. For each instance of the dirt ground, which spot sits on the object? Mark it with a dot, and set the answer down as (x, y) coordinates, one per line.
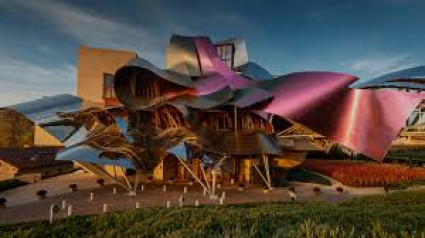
(24, 205)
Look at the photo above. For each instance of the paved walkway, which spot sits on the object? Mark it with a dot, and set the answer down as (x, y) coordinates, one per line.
(55, 186)
(23, 204)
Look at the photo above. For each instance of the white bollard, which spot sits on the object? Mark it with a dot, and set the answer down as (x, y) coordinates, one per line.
(181, 201)
(185, 189)
(142, 188)
(223, 194)
(105, 208)
(91, 196)
(196, 203)
(168, 204)
(69, 210)
(164, 188)
(221, 201)
(114, 190)
(63, 204)
(205, 191)
(52, 213)
(137, 205)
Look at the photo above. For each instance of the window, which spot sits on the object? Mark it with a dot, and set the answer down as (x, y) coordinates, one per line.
(108, 86)
(227, 54)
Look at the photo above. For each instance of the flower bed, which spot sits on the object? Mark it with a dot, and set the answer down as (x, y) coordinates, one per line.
(358, 174)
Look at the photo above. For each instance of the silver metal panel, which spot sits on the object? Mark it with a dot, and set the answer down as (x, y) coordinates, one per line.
(254, 71)
(241, 54)
(171, 76)
(47, 108)
(182, 57)
(90, 155)
(60, 132)
(209, 101)
(79, 136)
(416, 73)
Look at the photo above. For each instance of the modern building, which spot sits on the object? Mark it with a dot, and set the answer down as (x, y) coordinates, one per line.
(211, 116)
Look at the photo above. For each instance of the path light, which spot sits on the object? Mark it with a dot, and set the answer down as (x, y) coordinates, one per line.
(181, 200)
(54, 209)
(105, 208)
(114, 190)
(241, 187)
(185, 189)
(164, 188)
(168, 204)
(196, 203)
(91, 196)
(232, 181)
(221, 200)
(70, 210)
(223, 194)
(142, 188)
(137, 205)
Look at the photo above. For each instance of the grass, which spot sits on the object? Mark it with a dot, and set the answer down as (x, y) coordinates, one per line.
(400, 214)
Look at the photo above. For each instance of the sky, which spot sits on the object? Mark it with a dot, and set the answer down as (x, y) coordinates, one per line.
(39, 39)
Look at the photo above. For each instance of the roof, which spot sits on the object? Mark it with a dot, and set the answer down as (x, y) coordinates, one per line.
(31, 158)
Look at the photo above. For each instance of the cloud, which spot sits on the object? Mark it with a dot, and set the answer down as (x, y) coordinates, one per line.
(378, 65)
(24, 81)
(93, 29)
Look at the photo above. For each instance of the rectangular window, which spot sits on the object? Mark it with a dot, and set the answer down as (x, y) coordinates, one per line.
(227, 54)
(108, 86)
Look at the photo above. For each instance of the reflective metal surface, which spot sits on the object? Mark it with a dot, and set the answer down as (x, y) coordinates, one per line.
(212, 64)
(47, 108)
(90, 155)
(254, 71)
(413, 78)
(364, 120)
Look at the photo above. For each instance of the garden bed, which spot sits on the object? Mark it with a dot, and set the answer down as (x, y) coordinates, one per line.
(364, 174)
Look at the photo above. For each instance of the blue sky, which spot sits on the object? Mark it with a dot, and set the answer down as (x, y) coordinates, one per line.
(39, 38)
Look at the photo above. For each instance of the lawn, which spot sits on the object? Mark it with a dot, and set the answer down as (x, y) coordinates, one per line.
(392, 215)
(366, 174)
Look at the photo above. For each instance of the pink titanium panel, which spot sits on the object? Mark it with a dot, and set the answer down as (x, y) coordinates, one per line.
(213, 67)
(364, 120)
